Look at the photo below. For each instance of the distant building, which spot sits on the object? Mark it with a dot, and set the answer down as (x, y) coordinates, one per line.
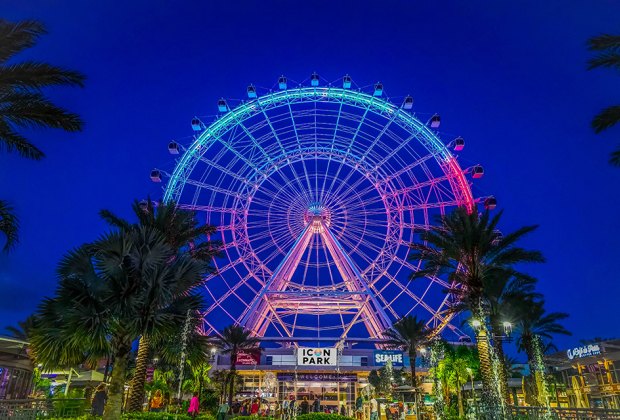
(588, 376)
(16, 369)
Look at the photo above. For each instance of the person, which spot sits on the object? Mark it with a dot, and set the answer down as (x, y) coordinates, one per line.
(285, 412)
(157, 402)
(194, 406)
(304, 406)
(254, 408)
(343, 410)
(316, 405)
(236, 408)
(99, 400)
(359, 407)
(292, 408)
(374, 409)
(222, 411)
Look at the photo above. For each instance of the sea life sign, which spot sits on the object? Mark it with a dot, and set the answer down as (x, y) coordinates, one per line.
(383, 356)
(308, 356)
(583, 351)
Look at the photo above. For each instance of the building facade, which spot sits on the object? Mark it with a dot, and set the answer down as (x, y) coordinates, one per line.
(16, 369)
(297, 374)
(588, 376)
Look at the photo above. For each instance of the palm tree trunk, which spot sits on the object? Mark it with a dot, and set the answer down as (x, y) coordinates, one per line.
(136, 392)
(414, 380)
(498, 346)
(117, 382)
(531, 360)
(490, 394)
(233, 373)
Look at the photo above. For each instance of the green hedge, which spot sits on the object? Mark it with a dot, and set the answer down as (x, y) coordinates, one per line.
(323, 416)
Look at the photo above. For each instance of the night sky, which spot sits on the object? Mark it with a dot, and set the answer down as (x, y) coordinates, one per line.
(510, 77)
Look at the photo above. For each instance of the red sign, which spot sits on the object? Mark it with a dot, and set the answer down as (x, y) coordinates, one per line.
(248, 358)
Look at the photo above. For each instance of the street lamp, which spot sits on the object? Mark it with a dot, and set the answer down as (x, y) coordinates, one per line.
(507, 328)
(476, 324)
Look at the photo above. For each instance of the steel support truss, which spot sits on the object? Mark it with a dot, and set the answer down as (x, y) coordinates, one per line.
(280, 297)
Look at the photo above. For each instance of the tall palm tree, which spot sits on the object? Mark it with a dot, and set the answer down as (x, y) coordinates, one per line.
(501, 295)
(234, 339)
(182, 232)
(535, 326)
(23, 104)
(607, 49)
(468, 248)
(123, 286)
(408, 334)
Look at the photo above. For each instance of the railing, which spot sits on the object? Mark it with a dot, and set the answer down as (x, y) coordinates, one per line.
(535, 413)
(40, 409)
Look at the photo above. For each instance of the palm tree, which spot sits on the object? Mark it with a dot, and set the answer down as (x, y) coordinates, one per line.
(235, 339)
(23, 329)
(182, 232)
(408, 334)
(123, 286)
(23, 104)
(535, 326)
(468, 248)
(502, 294)
(454, 370)
(607, 49)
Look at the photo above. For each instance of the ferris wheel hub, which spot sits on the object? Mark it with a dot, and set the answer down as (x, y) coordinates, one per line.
(318, 215)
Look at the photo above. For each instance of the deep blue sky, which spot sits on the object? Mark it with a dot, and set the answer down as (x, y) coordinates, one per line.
(508, 76)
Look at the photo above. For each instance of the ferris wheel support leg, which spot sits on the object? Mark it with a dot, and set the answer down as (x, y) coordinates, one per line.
(258, 309)
(376, 319)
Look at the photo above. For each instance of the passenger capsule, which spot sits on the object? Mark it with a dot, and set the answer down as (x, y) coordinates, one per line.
(197, 125)
(459, 143)
(346, 82)
(173, 148)
(490, 203)
(477, 171)
(282, 82)
(408, 104)
(378, 89)
(314, 79)
(155, 175)
(221, 105)
(251, 92)
(435, 121)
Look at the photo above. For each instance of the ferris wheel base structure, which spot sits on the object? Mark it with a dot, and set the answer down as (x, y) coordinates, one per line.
(316, 193)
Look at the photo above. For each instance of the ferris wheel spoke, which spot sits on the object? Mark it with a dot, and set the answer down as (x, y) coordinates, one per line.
(294, 125)
(379, 136)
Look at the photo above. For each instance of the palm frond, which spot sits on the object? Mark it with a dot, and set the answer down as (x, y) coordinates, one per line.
(9, 225)
(607, 118)
(614, 158)
(18, 36)
(33, 75)
(606, 60)
(15, 142)
(33, 109)
(604, 42)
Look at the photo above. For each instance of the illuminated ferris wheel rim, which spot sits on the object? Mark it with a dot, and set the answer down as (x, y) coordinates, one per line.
(368, 164)
(350, 97)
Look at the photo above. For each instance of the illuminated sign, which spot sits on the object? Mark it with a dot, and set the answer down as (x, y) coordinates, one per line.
(316, 356)
(384, 356)
(583, 351)
(248, 358)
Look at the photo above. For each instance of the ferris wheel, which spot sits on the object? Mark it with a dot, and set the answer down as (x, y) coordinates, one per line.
(317, 191)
